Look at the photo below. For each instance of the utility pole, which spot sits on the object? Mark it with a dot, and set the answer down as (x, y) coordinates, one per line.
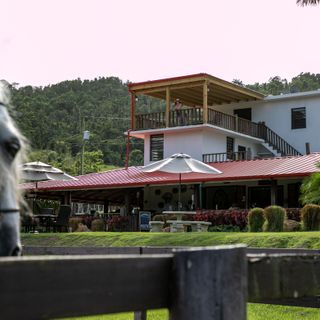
(86, 136)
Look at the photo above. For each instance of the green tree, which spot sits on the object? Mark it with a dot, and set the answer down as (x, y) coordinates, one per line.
(310, 189)
(308, 2)
(136, 158)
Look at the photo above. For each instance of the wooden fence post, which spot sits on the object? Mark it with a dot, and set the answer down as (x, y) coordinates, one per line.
(209, 284)
(140, 315)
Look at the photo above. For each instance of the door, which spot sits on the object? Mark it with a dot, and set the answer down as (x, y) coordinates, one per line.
(243, 113)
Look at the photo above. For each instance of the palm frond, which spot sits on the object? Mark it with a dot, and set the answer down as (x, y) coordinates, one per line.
(308, 2)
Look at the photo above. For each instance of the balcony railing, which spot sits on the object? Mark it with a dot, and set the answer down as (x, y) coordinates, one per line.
(183, 117)
(194, 116)
(226, 156)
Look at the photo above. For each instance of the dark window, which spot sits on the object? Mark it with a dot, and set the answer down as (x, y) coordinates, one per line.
(156, 147)
(298, 118)
(243, 113)
(241, 153)
(230, 147)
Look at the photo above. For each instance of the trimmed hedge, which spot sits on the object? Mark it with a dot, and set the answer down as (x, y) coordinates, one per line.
(310, 216)
(256, 219)
(274, 216)
(98, 225)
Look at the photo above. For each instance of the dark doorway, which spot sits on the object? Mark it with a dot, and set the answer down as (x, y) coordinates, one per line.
(241, 153)
(225, 197)
(293, 195)
(261, 196)
(243, 113)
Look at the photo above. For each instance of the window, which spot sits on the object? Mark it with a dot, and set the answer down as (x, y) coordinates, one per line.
(298, 118)
(230, 147)
(156, 147)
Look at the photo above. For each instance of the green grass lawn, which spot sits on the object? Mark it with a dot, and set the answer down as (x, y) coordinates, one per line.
(255, 312)
(309, 240)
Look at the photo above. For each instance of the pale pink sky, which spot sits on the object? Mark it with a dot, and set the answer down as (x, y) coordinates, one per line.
(48, 41)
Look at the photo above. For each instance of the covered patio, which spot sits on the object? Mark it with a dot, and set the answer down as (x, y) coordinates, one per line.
(242, 184)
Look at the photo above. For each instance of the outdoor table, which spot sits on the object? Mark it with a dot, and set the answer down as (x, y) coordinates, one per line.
(179, 214)
(45, 220)
(178, 224)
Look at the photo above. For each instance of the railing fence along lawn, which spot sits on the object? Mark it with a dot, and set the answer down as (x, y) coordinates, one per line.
(197, 283)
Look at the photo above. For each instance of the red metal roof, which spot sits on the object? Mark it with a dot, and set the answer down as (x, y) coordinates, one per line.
(290, 167)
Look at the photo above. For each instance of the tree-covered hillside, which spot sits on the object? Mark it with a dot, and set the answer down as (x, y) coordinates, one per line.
(53, 118)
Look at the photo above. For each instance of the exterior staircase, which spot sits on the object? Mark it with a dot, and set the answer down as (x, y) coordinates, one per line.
(275, 144)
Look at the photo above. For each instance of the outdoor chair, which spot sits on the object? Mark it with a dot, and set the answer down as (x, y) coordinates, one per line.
(62, 222)
(29, 223)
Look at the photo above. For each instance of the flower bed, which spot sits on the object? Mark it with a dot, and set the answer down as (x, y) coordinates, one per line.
(118, 223)
(234, 217)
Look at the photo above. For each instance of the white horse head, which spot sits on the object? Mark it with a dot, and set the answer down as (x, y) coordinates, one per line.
(11, 151)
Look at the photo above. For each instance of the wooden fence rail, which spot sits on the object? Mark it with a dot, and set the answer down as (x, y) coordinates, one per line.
(198, 283)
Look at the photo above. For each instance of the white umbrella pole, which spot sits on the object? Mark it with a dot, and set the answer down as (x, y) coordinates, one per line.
(179, 198)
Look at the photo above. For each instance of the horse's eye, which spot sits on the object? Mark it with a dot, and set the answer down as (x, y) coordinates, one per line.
(12, 147)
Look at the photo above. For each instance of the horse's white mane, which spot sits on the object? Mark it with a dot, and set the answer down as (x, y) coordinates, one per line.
(4, 93)
(10, 172)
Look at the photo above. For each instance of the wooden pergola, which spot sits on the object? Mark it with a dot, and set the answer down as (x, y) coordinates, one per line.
(198, 90)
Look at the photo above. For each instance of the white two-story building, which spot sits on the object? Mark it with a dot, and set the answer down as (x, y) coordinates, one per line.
(261, 144)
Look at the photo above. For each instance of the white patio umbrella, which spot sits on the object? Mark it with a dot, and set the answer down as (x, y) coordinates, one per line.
(180, 163)
(39, 171)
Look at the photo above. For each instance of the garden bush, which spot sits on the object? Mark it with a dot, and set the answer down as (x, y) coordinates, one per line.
(98, 225)
(293, 214)
(117, 223)
(74, 223)
(310, 216)
(255, 220)
(234, 217)
(274, 216)
(224, 228)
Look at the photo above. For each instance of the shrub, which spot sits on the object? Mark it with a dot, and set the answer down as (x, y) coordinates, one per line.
(234, 217)
(274, 216)
(74, 223)
(310, 216)
(117, 223)
(224, 228)
(255, 220)
(98, 225)
(293, 214)
(290, 225)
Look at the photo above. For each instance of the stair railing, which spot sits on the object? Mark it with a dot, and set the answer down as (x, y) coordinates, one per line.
(275, 141)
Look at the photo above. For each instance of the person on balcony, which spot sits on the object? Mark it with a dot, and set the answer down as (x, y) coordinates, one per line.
(178, 111)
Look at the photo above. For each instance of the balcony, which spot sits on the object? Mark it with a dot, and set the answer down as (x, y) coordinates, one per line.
(198, 92)
(194, 116)
(187, 117)
(225, 156)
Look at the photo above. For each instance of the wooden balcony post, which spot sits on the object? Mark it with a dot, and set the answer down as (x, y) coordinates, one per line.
(205, 102)
(167, 115)
(236, 118)
(133, 110)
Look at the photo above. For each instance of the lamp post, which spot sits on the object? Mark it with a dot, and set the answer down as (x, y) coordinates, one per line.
(85, 137)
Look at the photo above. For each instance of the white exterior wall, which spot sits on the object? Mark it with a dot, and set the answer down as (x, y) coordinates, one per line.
(276, 113)
(189, 142)
(198, 142)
